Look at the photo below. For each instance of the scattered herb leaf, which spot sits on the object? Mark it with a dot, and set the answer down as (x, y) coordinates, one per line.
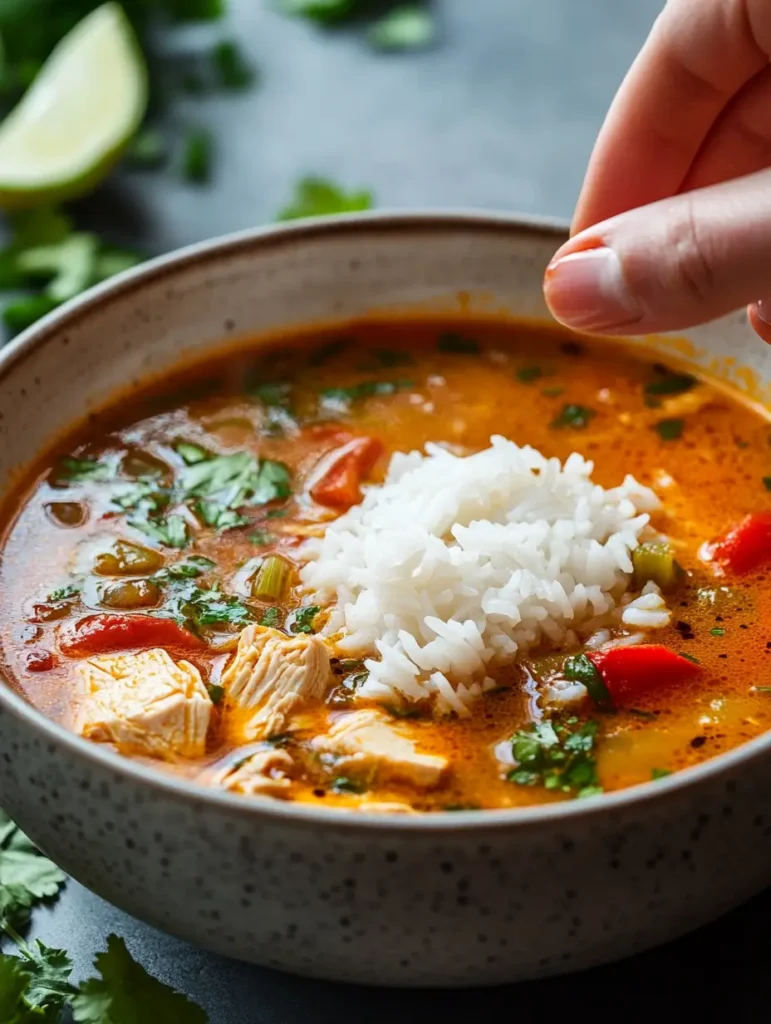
(575, 416)
(660, 773)
(316, 197)
(767, 482)
(670, 430)
(527, 374)
(670, 384)
(580, 668)
(717, 631)
(407, 27)
(66, 593)
(269, 618)
(198, 156)
(346, 785)
(232, 67)
(26, 876)
(303, 619)
(689, 657)
(216, 693)
(557, 756)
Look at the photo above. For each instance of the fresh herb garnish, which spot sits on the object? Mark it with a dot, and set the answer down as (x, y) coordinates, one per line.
(126, 992)
(196, 609)
(527, 374)
(260, 537)
(170, 531)
(269, 618)
(408, 27)
(303, 619)
(557, 756)
(580, 668)
(191, 568)
(767, 482)
(670, 430)
(689, 657)
(660, 773)
(576, 416)
(198, 156)
(66, 593)
(458, 344)
(670, 384)
(344, 397)
(26, 876)
(346, 785)
(84, 469)
(216, 693)
(233, 69)
(316, 197)
(717, 631)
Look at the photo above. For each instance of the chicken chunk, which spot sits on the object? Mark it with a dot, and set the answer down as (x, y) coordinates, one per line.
(144, 704)
(266, 773)
(365, 743)
(271, 677)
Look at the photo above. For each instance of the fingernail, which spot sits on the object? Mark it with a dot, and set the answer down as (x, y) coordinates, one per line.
(763, 310)
(587, 291)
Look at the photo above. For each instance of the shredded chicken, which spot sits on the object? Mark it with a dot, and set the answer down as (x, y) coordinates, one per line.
(144, 704)
(365, 743)
(266, 773)
(272, 676)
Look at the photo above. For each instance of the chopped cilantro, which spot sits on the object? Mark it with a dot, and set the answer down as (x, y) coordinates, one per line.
(269, 618)
(85, 469)
(319, 10)
(219, 518)
(191, 453)
(527, 374)
(26, 876)
(196, 609)
(670, 384)
(767, 482)
(717, 631)
(315, 197)
(198, 156)
(232, 481)
(689, 657)
(458, 344)
(576, 416)
(170, 531)
(581, 669)
(303, 619)
(407, 27)
(191, 568)
(148, 150)
(670, 430)
(66, 593)
(126, 992)
(660, 773)
(557, 756)
(260, 537)
(35, 984)
(272, 395)
(343, 397)
(216, 693)
(232, 67)
(346, 785)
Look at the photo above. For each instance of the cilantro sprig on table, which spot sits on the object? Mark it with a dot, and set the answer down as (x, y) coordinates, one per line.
(35, 985)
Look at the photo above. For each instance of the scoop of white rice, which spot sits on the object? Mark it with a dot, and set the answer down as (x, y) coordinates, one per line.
(455, 564)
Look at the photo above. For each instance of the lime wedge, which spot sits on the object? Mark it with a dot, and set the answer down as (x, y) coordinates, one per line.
(78, 116)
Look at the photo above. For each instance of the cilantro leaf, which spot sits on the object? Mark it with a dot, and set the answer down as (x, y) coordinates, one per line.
(170, 531)
(269, 617)
(557, 756)
(50, 970)
(126, 993)
(194, 608)
(407, 27)
(343, 397)
(74, 470)
(576, 416)
(26, 876)
(670, 430)
(303, 619)
(315, 197)
(14, 984)
(319, 10)
(670, 384)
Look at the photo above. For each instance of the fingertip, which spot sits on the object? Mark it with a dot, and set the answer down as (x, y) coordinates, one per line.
(759, 316)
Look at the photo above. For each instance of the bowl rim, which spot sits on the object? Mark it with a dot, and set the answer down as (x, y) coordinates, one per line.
(297, 814)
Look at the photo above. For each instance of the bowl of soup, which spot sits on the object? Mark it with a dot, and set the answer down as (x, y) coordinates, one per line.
(358, 621)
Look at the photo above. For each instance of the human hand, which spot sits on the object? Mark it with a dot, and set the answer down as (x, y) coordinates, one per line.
(673, 225)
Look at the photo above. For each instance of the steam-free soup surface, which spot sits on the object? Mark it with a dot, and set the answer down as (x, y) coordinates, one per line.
(142, 532)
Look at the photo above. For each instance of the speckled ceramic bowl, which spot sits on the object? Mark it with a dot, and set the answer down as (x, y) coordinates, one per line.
(451, 899)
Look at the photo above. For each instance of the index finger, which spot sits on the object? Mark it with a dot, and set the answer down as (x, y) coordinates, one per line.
(698, 56)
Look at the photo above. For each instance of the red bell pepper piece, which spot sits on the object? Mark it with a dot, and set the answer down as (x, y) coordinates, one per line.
(40, 660)
(746, 546)
(103, 634)
(340, 486)
(630, 671)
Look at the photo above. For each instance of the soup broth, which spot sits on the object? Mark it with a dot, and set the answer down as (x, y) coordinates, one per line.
(178, 520)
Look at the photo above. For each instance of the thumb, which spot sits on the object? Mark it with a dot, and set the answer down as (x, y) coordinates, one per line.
(671, 265)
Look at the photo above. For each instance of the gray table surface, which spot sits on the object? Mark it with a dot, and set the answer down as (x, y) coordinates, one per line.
(501, 114)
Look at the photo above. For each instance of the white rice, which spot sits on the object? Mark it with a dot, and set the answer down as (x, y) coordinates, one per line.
(456, 564)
